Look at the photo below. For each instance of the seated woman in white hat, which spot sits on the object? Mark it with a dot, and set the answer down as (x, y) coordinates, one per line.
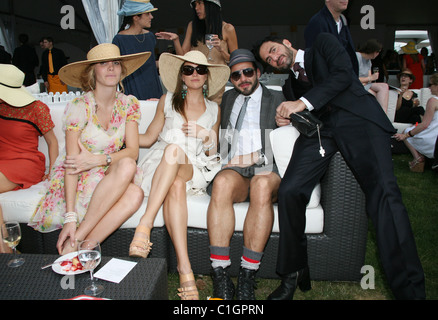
(22, 120)
(183, 158)
(94, 175)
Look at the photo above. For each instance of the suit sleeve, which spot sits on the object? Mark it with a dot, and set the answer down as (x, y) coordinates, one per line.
(331, 70)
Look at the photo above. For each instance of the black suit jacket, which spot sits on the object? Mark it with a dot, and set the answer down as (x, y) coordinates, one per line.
(334, 83)
(59, 60)
(323, 22)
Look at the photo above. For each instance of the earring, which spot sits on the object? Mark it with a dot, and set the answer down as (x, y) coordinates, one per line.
(184, 91)
(205, 90)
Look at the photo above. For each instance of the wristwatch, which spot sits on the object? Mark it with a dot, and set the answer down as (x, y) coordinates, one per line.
(108, 160)
(262, 159)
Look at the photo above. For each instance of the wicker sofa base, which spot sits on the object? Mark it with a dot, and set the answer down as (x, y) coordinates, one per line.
(337, 254)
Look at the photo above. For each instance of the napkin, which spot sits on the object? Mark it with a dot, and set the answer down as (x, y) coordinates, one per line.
(115, 270)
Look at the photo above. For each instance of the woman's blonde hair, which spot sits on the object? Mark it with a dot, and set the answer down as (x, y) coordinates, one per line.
(88, 78)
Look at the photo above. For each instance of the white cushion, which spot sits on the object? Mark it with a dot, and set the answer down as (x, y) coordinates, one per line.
(282, 142)
(20, 205)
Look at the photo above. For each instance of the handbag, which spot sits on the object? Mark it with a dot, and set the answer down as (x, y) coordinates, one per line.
(306, 123)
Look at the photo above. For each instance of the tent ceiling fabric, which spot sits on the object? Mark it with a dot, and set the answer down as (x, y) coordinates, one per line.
(177, 13)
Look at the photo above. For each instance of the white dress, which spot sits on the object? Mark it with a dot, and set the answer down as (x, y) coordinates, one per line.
(424, 142)
(204, 167)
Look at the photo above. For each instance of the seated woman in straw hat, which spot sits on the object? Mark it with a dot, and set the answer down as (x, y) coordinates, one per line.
(183, 157)
(94, 175)
(22, 120)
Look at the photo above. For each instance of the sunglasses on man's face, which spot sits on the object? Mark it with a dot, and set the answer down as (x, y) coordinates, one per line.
(188, 70)
(248, 72)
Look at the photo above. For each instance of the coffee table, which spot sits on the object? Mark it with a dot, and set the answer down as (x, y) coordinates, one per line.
(146, 281)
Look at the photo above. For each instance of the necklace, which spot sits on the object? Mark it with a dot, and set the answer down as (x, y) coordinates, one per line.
(140, 41)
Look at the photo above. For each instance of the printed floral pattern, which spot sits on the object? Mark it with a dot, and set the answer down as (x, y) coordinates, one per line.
(79, 115)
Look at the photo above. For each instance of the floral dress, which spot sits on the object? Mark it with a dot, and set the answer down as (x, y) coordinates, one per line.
(79, 115)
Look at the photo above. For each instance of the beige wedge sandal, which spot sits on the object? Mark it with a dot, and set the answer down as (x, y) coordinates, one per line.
(188, 290)
(140, 245)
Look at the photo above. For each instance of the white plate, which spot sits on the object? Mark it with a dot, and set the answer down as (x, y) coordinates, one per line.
(59, 269)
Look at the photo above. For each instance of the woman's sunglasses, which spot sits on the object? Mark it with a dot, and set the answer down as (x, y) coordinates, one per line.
(188, 70)
(248, 72)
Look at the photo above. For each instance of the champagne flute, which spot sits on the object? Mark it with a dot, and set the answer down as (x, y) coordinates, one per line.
(89, 254)
(11, 235)
(208, 38)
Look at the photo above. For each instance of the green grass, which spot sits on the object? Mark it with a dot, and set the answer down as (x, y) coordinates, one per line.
(420, 195)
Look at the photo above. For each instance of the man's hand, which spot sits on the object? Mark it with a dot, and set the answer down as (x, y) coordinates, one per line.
(285, 109)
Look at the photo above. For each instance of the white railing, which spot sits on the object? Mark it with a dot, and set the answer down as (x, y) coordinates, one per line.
(49, 98)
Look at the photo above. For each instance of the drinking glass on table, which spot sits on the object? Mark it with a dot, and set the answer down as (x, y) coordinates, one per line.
(89, 255)
(209, 44)
(11, 235)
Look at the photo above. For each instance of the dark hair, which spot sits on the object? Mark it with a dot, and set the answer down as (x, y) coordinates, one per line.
(49, 39)
(371, 46)
(178, 102)
(128, 20)
(256, 48)
(211, 24)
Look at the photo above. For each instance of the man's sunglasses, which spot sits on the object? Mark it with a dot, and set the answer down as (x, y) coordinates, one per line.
(188, 70)
(248, 72)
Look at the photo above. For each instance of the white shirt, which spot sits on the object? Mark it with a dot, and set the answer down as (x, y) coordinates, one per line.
(299, 58)
(249, 137)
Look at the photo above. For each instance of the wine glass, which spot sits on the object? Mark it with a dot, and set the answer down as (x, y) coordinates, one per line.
(375, 70)
(208, 38)
(89, 255)
(11, 235)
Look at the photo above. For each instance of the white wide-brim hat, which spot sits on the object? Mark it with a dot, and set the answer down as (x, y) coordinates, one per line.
(71, 73)
(170, 66)
(11, 86)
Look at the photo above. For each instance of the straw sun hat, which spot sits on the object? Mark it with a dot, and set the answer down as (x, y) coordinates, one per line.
(170, 66)
(71, 73)
(11, 86)
(409, 48)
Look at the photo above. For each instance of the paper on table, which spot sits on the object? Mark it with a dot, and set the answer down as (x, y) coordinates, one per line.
(115, 270)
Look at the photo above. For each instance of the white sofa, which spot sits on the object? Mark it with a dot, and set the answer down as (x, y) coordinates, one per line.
(19, 205)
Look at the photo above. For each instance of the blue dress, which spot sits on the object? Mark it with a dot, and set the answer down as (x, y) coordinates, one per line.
(144, 83)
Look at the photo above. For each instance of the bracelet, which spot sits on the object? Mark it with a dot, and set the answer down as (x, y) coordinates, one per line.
(70, 216)
(209, 146)
(410, 134)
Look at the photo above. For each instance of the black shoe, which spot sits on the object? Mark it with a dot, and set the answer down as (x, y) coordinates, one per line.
(246, 284)
(289, 284)
(223, 287)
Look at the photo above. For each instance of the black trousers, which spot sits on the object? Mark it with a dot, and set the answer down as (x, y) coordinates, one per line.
(367, 151)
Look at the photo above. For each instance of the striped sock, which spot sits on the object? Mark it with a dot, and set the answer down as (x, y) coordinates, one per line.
(251, 259)
(220, 257)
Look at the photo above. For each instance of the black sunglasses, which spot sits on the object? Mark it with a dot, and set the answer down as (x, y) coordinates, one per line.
(248, 72)
(188, 70)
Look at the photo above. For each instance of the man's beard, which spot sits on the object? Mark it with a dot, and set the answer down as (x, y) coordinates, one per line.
(249, 90)
(288, 60)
